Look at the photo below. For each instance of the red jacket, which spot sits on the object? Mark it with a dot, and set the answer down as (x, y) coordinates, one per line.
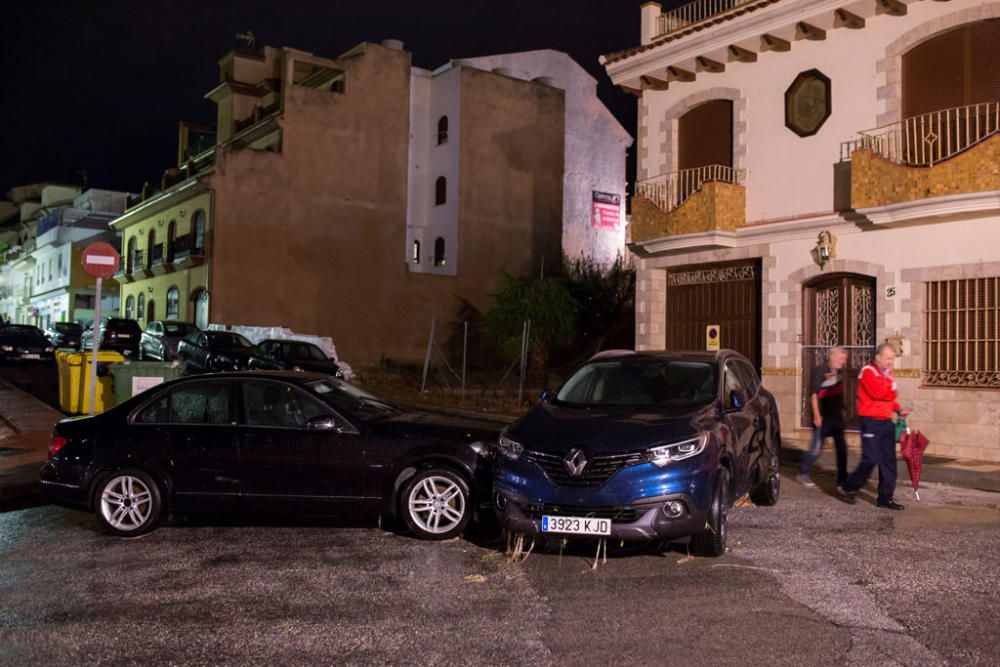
(876, 393)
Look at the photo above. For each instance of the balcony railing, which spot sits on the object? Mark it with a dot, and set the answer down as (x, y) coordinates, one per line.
(695, 12)
(925, 140)
(668, 191)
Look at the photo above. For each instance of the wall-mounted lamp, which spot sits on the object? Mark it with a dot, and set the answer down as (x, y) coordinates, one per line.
(150, 289)
(826, 248)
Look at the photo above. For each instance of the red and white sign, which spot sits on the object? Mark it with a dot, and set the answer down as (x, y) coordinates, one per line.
(606, 210)
(101, 260)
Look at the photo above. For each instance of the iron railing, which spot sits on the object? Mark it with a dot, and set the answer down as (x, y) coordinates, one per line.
(925, 140)
(695, 12)
(668, 191)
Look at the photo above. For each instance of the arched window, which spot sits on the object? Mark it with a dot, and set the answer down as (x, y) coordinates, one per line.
(705, 135)
(439, 252)
(173, 303)
(140, 306)
(150, 244)
(171, 237)
(440, 190)
(130, 307)
(198, 233)
(150, 311)
(415, 255)
(442, 130)
(130, 256)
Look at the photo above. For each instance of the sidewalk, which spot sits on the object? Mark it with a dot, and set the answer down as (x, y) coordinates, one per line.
(25, 430)
(981, 475)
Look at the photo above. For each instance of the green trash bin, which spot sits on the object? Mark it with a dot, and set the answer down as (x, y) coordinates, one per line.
(133, 377)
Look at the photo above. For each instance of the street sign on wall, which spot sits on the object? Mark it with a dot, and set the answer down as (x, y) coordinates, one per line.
(713, 337)
(100, 260)
(605, 210)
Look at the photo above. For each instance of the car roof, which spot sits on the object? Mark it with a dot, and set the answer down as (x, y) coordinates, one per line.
(298, 377)
(680, 355)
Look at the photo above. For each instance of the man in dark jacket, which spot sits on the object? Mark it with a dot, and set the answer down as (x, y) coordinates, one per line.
(826, 397)
(876, 405)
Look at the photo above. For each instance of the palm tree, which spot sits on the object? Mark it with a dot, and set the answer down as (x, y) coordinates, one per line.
(547, 304)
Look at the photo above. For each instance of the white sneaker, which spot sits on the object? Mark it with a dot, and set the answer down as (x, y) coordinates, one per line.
(805, 481)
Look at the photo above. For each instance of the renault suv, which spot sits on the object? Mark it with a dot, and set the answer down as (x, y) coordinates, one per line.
(641, 447)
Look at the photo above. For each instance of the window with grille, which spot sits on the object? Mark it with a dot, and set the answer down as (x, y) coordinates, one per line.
(962, 333)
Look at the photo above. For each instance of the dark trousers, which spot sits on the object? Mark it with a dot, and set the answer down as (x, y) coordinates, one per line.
(878, 448)
(832, 427)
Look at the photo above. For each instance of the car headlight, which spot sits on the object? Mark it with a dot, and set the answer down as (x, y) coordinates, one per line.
(297, 368)
(480, 448)
(512, 449)
(7, 348)
(223, 359)
(50, 349)
(677, 451)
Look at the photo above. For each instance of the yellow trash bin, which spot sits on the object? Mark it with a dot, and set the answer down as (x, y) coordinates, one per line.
(104, 398)
(68, 365)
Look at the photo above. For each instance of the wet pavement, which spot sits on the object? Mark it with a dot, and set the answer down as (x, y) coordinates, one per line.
(810, 581)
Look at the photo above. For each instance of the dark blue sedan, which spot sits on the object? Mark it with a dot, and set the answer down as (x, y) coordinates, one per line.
(642, 446)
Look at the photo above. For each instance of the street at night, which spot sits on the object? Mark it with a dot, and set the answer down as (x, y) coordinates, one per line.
(810, 581)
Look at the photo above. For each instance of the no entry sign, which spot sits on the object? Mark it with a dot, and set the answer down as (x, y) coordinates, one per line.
(101, 260)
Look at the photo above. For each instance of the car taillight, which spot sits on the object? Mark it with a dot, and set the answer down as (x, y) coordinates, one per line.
(58, 442)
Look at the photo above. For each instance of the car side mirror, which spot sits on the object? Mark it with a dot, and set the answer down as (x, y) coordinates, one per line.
(323, 423)
(546, 395)
(736, 400)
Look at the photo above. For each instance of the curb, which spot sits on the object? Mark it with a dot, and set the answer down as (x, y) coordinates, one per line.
(932, 472)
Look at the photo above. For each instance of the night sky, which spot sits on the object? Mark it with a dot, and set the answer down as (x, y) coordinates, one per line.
(98, 87)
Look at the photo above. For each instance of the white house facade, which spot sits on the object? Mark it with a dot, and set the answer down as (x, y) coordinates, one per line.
(820, 172)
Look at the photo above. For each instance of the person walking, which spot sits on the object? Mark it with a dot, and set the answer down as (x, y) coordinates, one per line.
(876, 405)
(826, 396)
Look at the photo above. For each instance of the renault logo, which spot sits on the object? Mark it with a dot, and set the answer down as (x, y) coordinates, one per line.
(575, 462)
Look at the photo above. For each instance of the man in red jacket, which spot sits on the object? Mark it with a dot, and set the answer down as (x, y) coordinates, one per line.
(876, 405)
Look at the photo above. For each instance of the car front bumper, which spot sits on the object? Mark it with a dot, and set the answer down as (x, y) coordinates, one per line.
(635, 498)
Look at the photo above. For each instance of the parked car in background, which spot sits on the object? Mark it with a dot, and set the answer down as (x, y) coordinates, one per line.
(66, 335)
(115, 333)
(309, 444)
(292, 355)
(23, 342)
(207, 351)
(642, 446)
(160, 339)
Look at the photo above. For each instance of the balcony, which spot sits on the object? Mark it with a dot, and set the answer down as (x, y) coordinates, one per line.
(704, 199)
(183, 256)
(157, 263)
(694, 13)
(947, 153)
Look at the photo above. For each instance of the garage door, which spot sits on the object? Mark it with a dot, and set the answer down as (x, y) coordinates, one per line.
(724, 294)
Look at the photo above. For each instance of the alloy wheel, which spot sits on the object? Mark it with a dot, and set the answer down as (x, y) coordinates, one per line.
(126, 503)
(436, 504)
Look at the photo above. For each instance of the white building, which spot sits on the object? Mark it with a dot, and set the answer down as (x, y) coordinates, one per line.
(817, 172)
(594, 224)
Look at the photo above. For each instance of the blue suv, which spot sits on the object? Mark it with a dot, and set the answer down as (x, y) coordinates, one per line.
(642, 446)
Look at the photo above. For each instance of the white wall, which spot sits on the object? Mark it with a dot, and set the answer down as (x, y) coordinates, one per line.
(433, 96)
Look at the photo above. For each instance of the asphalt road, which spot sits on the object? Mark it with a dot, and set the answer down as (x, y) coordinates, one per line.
(811, 581)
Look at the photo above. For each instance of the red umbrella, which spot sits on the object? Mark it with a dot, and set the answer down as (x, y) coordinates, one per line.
(911, 447)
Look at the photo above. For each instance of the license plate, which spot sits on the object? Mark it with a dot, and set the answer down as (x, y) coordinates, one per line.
(31, 355)
(124, 335)
(576, 525)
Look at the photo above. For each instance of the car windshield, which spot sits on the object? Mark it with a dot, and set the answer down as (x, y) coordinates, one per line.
(302, 351)
(22, 330)
(228, 339)
(352, 401)
(68, 327)
(178, 328)
(641, 383)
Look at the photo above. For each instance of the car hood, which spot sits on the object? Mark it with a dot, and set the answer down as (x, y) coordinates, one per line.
(316, 365)
(556, 429)
(429, 424)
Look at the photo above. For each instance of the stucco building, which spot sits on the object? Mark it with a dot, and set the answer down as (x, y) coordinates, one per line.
(354, 199)
(815, 173)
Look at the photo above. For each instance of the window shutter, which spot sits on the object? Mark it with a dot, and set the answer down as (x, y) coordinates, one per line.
(705, 135)
(985, 66)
